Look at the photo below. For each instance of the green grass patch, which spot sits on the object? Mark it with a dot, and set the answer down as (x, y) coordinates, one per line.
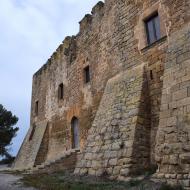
(145, 171)
(168, 187)
(62, 181)
(65, 181)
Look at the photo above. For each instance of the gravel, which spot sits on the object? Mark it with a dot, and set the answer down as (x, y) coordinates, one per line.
(11, 182)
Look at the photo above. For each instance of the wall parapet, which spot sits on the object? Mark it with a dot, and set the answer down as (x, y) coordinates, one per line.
(68, 46)
(97, 12)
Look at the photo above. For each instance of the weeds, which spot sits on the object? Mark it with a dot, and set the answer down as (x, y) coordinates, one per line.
(65, 181)
(145, 172)
(169, 187)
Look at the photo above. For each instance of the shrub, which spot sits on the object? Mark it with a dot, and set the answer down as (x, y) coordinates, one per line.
(8, 161)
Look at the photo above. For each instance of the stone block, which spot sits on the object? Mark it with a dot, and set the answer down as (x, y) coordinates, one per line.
(173, 159)
(185, 158)
(113, 162)
(186, 183)
(116, 170)
(88, 156)
(92, 172)
(125, 172)
(83, 171)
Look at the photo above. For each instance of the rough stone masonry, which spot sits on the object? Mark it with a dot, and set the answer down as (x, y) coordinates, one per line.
(118, 92)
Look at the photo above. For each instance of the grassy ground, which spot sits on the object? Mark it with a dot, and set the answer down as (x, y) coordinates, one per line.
(63, 181)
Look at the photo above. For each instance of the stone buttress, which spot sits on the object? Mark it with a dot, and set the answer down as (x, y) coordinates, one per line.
(118, 141)
(30, 147)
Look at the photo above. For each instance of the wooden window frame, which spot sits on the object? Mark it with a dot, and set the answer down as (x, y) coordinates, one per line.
(152, 19)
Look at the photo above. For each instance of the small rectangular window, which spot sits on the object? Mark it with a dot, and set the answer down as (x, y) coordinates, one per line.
(61, 91)
(36, 107)
(87, 74)
(153, 28)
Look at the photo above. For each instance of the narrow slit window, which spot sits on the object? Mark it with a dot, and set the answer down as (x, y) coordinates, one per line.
(61, 91)
(153, 29)
(151, 75)
(87, 74)
(32, 132)
(36, 108)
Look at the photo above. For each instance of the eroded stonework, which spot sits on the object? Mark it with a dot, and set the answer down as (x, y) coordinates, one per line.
(134, 113)
(118, 141)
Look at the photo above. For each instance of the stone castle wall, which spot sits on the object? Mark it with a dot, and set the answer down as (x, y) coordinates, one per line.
(112, 41)
(173, 137)
(108, 44)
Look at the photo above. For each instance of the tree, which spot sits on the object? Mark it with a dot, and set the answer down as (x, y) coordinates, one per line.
(7, 131)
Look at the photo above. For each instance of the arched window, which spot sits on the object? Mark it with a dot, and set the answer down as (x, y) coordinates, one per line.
(75, 132)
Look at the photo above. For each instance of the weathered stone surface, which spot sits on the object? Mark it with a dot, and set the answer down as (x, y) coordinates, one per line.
(173, 149)
(132, 83)
(135, 111)
(27, 155)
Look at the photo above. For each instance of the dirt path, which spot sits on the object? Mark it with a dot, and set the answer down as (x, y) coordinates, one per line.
(11, 182)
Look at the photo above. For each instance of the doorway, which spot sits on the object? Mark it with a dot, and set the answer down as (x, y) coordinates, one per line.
(75, 132)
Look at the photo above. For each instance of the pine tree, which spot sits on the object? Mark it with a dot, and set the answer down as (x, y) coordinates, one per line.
(7, 130)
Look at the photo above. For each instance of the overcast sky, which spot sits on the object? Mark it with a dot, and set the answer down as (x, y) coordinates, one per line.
(30, 31)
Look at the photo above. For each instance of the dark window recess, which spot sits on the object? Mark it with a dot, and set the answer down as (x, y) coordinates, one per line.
(36, 107)
(87, 74)
(61, 91)
(32, 132)
(153, 29)
(151, 75)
